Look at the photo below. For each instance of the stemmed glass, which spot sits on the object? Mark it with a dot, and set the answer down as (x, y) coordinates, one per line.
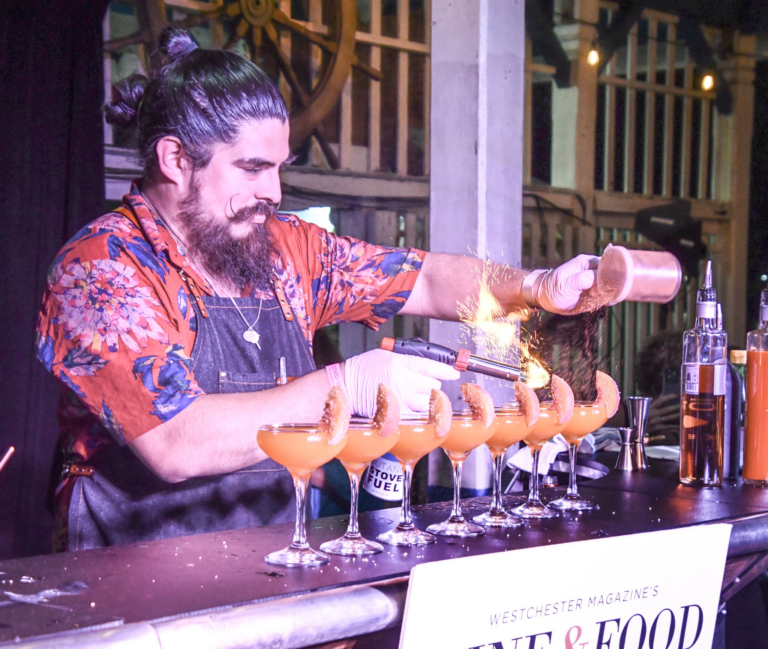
(542, 431)
(417, 438)
(364, 444)
(587, 418)
(509, 428)
(466, 434)
(300, 448)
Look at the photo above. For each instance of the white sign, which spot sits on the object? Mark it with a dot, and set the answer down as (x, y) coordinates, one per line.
(658, 590)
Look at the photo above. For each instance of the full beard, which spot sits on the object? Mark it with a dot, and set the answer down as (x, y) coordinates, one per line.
(242, 261)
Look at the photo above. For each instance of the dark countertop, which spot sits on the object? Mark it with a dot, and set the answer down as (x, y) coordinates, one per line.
(170, 578)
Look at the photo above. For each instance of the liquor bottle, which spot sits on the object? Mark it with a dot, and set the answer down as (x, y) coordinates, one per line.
(732, 430)
(756, 430)
(702, 407)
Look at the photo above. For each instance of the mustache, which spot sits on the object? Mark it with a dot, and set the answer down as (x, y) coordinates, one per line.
(262, 207)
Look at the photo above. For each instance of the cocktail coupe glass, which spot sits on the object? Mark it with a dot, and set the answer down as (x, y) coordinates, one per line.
(364, 444)
(417, 438)
(587, 418)
(466, 434)
(541, 432)
(509, 428)
(300, 448)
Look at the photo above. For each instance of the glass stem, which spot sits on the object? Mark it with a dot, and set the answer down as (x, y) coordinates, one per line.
(300, 532)
(353, 531)
(498, 468)
(405, 510)
(573, 490)
(533, 495)
(456, 516)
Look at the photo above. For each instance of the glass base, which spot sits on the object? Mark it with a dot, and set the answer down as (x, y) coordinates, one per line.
(497, 518)
(756, 483)
(406, 536)
(352, 546)
(534, 509)
(295, 557)
(452, 527)
(573, 504)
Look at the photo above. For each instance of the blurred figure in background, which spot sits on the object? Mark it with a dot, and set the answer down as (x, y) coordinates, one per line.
(657, 375)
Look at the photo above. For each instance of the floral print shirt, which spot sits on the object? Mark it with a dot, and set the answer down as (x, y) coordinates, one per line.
(117, 326)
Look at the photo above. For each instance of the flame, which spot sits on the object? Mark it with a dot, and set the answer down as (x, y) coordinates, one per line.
(498, 332)
(537, 375)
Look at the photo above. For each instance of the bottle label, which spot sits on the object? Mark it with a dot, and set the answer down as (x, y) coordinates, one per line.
(384, 478)
(704, 379)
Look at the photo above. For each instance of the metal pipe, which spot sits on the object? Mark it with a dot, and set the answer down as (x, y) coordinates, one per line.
(290, 623)
(462, 360)
(493, 368)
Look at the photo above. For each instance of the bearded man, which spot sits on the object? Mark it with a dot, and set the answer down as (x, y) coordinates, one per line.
(167, 321)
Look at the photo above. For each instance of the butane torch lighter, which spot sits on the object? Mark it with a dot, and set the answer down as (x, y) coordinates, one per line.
(462, 360)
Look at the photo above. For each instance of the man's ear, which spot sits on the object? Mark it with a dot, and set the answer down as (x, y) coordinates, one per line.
(172, 162)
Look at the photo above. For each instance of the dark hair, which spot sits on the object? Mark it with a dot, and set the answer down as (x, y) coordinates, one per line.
(658, 353)
(200, 96)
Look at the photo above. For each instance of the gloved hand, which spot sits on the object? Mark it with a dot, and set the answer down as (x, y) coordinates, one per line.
(411, 378)
(565, 289)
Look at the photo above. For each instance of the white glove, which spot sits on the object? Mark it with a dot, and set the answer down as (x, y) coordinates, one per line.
(560, 290)
(411, 378)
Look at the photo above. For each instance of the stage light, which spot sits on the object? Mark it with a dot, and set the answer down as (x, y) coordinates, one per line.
(764, 278)
(708, 82)
(593, 58)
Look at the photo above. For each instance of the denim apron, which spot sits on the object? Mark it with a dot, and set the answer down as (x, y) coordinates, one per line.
(124, 502)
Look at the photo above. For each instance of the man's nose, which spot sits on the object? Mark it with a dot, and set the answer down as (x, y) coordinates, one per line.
(271, 189)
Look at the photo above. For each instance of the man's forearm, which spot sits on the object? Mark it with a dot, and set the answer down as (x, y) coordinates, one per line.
(445, 281)
(217, 433)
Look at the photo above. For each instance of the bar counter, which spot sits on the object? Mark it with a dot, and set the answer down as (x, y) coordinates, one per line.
(215, 590)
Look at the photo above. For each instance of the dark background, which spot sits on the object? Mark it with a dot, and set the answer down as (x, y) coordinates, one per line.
(52, 183)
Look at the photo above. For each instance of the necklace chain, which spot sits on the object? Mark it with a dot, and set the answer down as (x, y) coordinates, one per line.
(250, 335)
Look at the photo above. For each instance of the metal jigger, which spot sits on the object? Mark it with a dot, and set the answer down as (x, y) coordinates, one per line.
(626, 461)
(638, 408)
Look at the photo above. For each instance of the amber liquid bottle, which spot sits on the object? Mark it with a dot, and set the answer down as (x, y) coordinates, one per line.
(702, 414)
(756, 428)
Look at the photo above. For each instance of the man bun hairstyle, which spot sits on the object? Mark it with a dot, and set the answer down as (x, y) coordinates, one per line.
(201, 97)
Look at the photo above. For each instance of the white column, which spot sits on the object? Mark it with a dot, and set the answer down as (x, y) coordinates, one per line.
(476, 150)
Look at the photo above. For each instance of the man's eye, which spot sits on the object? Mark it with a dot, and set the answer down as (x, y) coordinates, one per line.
(253, 170)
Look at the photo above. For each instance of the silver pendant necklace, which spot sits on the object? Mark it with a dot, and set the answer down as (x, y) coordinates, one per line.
(249, 335)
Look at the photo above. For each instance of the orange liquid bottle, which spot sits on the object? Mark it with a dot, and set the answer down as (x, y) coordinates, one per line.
(756, 428)
(702, 406)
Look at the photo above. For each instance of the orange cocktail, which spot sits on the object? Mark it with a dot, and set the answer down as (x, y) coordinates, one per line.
(466, 434)
(364, 444)
(509, 428)
(545, 428)
(417, 438)
(300, 448)
(587, 417)
(553, 417)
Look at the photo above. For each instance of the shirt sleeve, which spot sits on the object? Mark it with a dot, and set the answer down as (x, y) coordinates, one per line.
(356, 281)
(115, 330)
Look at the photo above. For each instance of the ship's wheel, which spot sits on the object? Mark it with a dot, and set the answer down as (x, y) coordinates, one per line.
(311, 93)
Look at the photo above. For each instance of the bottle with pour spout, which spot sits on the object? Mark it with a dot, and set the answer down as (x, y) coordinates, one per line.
(702, 406)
